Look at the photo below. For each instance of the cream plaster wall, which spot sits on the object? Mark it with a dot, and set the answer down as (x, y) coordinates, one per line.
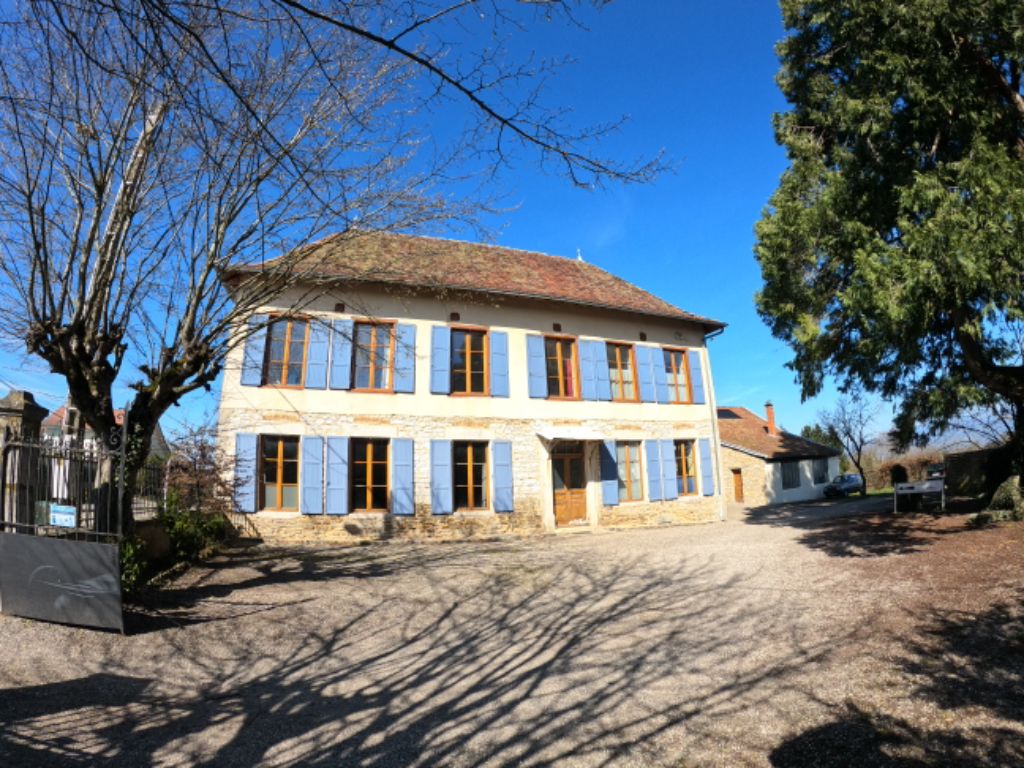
(807, 489)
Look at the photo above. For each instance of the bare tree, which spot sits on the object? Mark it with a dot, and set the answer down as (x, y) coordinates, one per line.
(983, 426)
(850, 422)
(148, 145)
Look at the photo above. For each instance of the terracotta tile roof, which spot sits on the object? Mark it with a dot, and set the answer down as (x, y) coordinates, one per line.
(452, 265)
(56, 417)
(741, 429)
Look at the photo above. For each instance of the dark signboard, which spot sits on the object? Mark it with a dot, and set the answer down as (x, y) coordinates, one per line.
(70, 582)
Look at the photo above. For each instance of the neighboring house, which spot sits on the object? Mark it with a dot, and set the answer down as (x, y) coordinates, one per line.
(466, 389)
(67, 423)
(761, 464)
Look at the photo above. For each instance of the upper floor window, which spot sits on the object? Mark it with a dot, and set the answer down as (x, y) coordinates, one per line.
(620, 371)
(469, 361)
(286, 353)
(374, 356)
(470, 466)
(279, 477)
(369, 475)
(560, 359)
(677, 372)
(686, 467)
(628, 459)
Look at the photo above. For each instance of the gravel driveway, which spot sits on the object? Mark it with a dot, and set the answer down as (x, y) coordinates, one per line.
(782, 638)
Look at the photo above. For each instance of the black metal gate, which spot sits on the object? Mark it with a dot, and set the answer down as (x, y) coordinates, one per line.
(61, 529)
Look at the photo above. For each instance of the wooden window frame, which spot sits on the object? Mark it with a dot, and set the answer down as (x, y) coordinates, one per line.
(486, 489)
(681, 466)
(279, 484)
(393, 339)
(353, 507)
(630, 445)
(578, 395)
(616, 385)
(290, 319)
(487, 361)
(674, 381)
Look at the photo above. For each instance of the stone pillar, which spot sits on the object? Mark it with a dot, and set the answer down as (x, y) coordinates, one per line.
(21, 418)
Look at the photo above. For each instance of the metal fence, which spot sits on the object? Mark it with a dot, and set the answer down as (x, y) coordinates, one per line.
(61, 528)
(71, 489)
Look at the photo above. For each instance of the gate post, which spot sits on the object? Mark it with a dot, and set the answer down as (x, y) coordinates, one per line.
(21, 418)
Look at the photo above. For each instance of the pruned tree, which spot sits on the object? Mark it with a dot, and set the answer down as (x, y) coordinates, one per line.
(850, 422)
(147, 145)
(892, 251)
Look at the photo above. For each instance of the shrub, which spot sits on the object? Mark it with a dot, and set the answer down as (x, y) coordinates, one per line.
(191, 531)
(134, 563)
(1006, 503)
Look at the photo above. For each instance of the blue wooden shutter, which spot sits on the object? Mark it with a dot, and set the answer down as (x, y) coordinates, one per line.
(535, 365)
(652, 452)
(501, 458)
(245, 471)
(402, 477)
(609, 474)
(337, 476)
(660, 375)
(405, 358)
(316, 355)
(604, 376)
(253, 353)
(669, 472)
(645, 374)
(588, 370)
(312, 476)
(442, 501)
(696, 377)
(341, 355)
(707, 470)
(440, 360)
(499, 363)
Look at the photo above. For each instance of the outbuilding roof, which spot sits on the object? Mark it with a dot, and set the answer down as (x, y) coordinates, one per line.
(454, 265)
(744, 431)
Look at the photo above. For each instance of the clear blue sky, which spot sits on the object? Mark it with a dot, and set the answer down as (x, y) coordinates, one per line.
(697, 80)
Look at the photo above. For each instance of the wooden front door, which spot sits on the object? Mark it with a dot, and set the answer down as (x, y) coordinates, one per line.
(737, 485)
(568, 479)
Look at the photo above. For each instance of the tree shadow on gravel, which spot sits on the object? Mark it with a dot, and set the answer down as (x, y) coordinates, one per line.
(876, 534)
(872, 740)
(468, 657)
(966, 659)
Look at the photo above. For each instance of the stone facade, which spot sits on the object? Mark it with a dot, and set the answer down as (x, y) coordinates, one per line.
(754, 473)
(531, 484)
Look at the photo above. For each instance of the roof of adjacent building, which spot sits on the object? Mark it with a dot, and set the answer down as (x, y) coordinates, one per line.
(453, 265)
(56, 417)
(745, 431)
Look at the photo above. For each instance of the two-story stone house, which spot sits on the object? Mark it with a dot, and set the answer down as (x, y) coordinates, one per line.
(442, 388)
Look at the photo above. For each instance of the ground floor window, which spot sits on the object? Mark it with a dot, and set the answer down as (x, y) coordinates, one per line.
(686, 467)
(790, 475)
(628, 456)
(369, 475)
(470, 465)
(279, 476)
(820, 471)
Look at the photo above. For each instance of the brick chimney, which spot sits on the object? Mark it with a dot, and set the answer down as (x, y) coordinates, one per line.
(769, 413)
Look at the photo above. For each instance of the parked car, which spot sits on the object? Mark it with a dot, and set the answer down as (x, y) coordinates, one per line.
(843, 485)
